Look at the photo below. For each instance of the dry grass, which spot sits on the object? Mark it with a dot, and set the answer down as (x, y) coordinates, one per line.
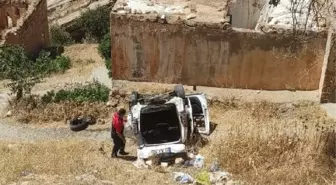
(267, 143)
(32, 110)
(63, 158)
(259, 143)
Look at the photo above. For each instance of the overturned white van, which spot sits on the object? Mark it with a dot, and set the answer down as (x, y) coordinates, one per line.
(162, 124)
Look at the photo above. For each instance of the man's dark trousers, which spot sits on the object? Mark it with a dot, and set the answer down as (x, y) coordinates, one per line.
(119, 145)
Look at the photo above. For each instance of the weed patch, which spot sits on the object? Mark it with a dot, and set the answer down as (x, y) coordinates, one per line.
(93, 92)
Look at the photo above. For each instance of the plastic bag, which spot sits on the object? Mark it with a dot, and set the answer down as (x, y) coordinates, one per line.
(214, 166)
(219, 177)
(183, 178)
(199, 161)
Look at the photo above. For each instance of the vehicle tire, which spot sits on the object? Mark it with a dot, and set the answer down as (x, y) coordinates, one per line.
(179, 91)
(134, 98)
(78, 124)
(91, 120)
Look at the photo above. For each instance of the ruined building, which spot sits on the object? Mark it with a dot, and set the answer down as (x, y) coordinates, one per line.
(244, 44)
(24, 22)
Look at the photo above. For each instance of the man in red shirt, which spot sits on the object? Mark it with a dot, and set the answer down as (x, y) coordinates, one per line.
(117, 133)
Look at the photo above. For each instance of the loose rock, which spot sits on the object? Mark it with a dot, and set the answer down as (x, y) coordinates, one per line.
(220, 9)
(128, 10)
(101, 121)
(191, 16)
(150, 4)
(122, 12)
(114, 92)
(179, 161)
(164, 164)
(122, 93)
(149, 162)
(9, 114)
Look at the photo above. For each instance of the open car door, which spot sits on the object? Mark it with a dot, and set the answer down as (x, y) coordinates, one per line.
(200, 112)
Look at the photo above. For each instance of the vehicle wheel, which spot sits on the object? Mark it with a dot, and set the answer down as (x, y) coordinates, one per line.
(134, 98)
(78, 124)
(179, 91)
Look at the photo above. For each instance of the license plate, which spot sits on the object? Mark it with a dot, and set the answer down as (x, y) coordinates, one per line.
(160, 151)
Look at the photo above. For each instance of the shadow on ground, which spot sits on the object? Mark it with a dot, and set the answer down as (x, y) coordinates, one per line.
(213, 127)
(128, 158)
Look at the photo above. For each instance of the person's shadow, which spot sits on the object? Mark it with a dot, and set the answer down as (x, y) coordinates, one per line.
(128, 158)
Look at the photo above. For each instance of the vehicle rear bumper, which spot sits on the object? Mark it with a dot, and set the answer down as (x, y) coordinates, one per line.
(148, 151)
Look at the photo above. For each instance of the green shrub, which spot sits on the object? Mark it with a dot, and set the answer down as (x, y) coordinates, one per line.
(51, 66)
(48, 98)
(108, 64)
(96, 22)
(104, 50)
(59, 37)
(104, 47)
(93, 92)
(61, 64)
(22, 72)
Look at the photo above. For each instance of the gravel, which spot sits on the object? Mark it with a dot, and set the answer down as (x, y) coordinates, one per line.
(18, 132)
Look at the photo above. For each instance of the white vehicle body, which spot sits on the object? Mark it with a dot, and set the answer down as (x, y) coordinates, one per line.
(164, 128)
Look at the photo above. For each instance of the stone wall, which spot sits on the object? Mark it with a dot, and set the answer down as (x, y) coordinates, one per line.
(10, 12)
(32, 31)
(177, 53)
(329, 85)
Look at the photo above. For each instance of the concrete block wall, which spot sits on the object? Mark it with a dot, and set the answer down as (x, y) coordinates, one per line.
(177, 53)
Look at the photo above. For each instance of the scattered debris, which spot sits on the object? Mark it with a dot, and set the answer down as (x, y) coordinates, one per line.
(140, 163)
(179, 161)
(189, 162)
(149, 162)
(190, 155)
(164, 164)
(199, 161)
(219, 177)
(26, 173)
(183, 178)
(214, 166)
(203, 178)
